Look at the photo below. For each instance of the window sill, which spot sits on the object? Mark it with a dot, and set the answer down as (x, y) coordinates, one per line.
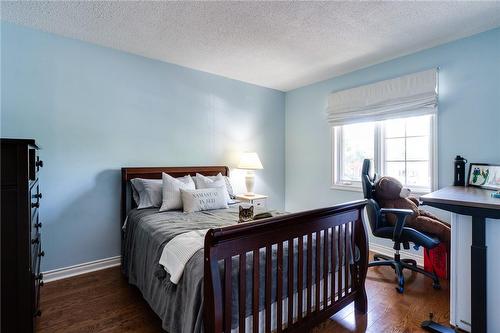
(343, 187)
(419, 193)
(358, 188)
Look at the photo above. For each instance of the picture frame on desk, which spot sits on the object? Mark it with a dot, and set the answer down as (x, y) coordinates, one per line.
(484, 175)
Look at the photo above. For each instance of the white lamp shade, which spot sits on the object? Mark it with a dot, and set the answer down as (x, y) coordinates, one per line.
(250, 161)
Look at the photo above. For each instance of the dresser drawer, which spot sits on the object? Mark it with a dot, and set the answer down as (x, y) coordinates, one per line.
(36, 243)
(35, 258)
(37, 276)
(35, 194)
(36, 225)
(34, 164)
(37, 284)
(35, 197)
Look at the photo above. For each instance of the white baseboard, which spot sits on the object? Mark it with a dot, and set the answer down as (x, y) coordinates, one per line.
(92, 266)
(87, 267)
(389, 251)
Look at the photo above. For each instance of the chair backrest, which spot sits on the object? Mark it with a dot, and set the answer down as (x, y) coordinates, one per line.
(372, 207)
(373, 212)
(367, 181)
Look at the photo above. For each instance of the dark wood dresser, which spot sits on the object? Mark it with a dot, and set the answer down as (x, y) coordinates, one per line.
(20, 235)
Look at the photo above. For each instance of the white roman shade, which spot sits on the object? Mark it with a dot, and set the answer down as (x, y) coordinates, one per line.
(405, 96)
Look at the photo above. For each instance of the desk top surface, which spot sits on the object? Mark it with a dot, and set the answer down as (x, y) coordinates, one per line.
(463, 196)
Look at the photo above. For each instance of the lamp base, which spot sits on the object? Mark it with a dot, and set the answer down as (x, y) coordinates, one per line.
(250, 182)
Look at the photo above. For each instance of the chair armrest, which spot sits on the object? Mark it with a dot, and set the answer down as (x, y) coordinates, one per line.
(416, 201)
(401, 215)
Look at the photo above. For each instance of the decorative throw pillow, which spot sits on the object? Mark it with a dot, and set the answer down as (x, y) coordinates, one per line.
(204, 199)
(146, 192)
(171, 191)
(212, 182)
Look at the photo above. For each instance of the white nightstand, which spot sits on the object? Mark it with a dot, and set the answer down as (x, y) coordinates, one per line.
(257, 200)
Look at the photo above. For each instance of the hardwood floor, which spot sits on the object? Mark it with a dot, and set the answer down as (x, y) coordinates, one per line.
(104, 302)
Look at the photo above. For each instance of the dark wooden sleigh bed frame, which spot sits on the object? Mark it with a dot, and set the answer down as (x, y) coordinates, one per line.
(223, 244)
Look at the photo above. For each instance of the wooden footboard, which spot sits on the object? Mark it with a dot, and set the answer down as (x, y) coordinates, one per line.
(326, 270)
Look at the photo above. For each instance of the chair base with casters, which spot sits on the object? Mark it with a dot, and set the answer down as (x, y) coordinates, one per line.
(399, 265)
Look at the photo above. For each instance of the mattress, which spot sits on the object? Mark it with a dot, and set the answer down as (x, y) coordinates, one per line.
(180, 306)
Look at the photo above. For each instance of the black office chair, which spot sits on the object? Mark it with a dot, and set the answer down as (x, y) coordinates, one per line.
(398, 233)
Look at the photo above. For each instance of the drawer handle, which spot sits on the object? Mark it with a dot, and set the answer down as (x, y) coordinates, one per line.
(35, 241)
(38, 195)
(39, 163)
(41, 254)
(41, 283)
(38, 313)
(39, 276)
(38, 225)
(35, 205)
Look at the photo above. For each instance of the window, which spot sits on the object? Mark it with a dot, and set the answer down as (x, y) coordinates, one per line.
(402, 148)
(356, 142)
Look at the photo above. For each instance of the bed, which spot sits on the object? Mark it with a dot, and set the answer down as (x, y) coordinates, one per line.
(246, 279)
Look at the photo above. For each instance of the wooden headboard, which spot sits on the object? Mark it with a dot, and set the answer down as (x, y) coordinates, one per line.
(155, 173)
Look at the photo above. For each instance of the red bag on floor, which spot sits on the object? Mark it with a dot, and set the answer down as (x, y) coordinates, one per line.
(437, 260)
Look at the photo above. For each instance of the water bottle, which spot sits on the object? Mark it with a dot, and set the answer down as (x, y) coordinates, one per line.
(459, 178)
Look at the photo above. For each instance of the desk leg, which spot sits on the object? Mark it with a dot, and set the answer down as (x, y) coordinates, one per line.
(478, 275)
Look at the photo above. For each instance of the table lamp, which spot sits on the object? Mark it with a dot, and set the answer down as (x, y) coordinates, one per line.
(250, 162)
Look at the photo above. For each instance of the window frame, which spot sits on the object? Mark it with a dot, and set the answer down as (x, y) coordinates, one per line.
(378, 152)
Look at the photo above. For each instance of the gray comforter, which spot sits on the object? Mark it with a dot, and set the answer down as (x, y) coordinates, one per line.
(180, 306)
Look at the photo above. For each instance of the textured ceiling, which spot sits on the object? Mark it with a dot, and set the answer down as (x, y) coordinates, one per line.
(281, 45)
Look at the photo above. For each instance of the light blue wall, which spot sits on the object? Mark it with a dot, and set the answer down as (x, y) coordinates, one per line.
(94, 110)
(468, 121)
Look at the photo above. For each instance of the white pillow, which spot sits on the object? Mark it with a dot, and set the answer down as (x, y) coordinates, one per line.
(171, 191)
(146, 192)
(217, 181)
(204, 199)
(229, 186)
